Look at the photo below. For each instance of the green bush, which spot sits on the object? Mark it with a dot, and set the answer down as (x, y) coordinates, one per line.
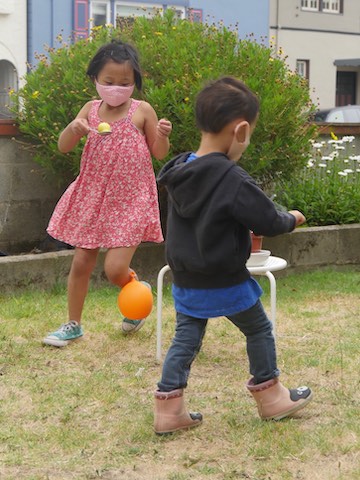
(177, 58)
(328, 189)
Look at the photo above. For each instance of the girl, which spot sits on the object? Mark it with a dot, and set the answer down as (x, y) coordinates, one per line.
(113, 202)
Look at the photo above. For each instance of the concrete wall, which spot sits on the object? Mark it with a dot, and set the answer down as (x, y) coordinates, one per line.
(27, 197)
(304, 249)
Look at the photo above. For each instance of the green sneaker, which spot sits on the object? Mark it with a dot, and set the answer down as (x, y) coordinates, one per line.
(68, 332)
(132, 326)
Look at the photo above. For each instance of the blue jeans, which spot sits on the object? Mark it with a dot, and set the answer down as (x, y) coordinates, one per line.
(189, 334)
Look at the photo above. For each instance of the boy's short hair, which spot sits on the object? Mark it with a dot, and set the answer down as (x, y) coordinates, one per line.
(222, 101)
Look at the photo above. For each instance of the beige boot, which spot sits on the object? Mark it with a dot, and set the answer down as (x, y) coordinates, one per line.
(275, 402)
(171, 414)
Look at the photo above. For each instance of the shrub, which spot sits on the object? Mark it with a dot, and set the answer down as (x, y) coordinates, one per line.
(177, 58)
(328, 189)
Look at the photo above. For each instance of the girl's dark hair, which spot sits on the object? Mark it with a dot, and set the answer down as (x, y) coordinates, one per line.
(222, 101)
(119, 52)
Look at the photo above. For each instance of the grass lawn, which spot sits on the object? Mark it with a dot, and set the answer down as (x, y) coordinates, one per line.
(86, 411)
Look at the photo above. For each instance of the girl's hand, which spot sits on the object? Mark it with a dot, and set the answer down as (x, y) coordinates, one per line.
(79, 127)
(163, 128)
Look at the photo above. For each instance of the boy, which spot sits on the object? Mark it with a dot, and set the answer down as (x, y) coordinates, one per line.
(213, 205)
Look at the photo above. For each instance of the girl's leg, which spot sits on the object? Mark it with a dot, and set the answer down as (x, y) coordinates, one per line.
(117, 269)
(117, 265)
(185, 346)
(78, 283)
(82, 266)
(260, 342)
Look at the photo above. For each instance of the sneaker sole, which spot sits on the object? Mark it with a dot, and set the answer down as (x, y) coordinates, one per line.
(135, 329)
(54, 342)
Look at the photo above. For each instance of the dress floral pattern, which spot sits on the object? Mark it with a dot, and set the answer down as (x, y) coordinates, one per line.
(114, 201)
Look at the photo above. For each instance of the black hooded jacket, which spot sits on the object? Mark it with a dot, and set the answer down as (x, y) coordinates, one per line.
(213, 204)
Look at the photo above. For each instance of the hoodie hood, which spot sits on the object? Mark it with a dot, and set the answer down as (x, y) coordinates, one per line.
(190, 184)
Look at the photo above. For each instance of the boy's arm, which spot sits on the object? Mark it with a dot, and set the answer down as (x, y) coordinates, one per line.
(254, 209)
(299, 217)
(76, 129)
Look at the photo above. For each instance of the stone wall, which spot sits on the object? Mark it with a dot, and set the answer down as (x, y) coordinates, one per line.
(27, 197)
(303, 249)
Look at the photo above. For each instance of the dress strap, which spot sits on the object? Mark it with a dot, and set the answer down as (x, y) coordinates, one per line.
(134, 105)
(93, 113)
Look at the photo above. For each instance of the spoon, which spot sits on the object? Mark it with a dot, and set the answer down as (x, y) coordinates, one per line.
(106, 132)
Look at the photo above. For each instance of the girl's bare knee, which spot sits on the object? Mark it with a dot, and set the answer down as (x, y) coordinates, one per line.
(83, 263)
(117, 276)
(117, 265)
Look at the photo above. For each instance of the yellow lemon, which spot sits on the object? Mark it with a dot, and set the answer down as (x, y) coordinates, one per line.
(104, 127)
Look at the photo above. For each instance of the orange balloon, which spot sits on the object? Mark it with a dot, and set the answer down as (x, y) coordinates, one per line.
(135, 300)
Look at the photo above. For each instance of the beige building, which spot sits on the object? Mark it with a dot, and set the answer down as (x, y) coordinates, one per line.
(13, 43)
(321, 40)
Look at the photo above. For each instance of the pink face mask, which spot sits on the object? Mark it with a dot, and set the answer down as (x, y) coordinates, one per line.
(114, 95)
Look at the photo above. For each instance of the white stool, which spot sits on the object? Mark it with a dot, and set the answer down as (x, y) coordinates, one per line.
(272, 264)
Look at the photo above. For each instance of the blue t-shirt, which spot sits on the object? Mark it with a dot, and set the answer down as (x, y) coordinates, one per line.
(216, 302)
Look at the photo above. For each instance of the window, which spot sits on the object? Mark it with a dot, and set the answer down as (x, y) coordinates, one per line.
(180, 11)
(326, 6)
(8, 81)
(125, 10)
(195, 15)
(302, 68)
(99, 13)
(346, 88)
(331, 6)
(310, 5)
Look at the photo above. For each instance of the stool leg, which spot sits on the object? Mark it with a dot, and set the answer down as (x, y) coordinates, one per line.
(272, 281)
(160, 283)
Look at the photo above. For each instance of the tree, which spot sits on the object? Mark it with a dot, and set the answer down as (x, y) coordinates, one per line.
(178, 57)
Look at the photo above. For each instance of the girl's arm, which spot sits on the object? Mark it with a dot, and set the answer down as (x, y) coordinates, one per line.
(156, 132)
(76, 129)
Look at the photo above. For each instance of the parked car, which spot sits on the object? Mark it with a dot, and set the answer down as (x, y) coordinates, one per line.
(345, 114)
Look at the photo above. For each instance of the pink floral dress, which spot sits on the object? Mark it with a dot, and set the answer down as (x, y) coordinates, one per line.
(114, 201)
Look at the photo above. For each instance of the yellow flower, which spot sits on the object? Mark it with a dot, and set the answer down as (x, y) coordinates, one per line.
(159, 34)
(35, 94)
(333, 136)
(186, 99)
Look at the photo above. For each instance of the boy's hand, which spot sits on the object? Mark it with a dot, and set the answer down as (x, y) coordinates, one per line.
(164, 127)
(299, 217)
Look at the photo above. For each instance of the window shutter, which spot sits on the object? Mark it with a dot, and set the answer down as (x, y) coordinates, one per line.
(81, 18)
(195, 15)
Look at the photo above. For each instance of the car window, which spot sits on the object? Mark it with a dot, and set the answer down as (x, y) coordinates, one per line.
(320, 115)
